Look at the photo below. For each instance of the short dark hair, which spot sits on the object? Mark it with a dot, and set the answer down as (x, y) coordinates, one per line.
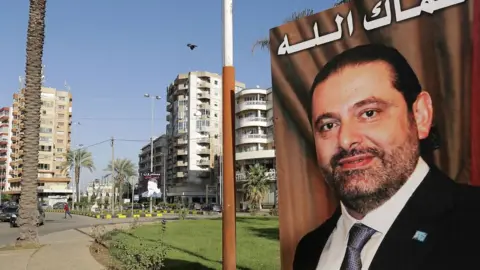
(404, 78)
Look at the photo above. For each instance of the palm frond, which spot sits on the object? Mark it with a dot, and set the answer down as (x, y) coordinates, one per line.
(261, 43)
(341, 2)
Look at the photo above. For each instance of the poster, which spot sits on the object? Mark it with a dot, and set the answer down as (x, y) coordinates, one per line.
(435, 37)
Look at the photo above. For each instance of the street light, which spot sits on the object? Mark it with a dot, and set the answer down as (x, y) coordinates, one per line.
(152, 98)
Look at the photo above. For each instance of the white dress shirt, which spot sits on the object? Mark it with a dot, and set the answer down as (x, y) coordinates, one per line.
(380, 219)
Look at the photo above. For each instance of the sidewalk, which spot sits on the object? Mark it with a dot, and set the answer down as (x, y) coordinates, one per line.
(62, 250)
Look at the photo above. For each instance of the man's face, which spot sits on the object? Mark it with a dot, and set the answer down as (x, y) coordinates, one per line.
(366, 141)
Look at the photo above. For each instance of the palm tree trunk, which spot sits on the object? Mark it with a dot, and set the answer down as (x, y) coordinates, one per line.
(77, 183)
(28, 211)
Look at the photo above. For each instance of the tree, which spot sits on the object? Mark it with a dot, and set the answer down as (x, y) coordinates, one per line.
(257, 185)
(124, 168)
(264, 43)
(77, 160)
(28, 210)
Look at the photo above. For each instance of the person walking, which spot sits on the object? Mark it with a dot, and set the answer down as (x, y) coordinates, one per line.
(67, 210)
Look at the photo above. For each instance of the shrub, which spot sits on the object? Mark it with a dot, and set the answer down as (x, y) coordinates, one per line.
(135, 253)
(274, 212)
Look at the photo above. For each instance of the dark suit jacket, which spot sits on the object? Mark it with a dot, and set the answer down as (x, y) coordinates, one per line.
(448, 212)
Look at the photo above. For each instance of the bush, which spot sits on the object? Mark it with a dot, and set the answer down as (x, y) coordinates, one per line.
(274, 212)
(135, 253)
(182, 214)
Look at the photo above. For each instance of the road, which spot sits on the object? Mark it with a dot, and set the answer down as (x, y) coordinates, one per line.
(55, 222)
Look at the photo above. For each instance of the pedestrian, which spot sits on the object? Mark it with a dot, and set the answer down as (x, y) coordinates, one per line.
(67, 210)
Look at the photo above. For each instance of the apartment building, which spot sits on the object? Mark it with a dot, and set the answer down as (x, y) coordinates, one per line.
(6, 117)
(194, 134)
(55, 129)
(254, 138)
(160, 152)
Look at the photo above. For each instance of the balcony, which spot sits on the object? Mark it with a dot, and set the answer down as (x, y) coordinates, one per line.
(182, 141)
(203, 162)
(205, 140)
(204, 174)
(203, 95)
(271, 175)
(170, 107)
(251, 121)
(182, 152)
(251, 138)
(203, 84)
(203, 106)
(181, 175)
(204, 151)
(251, 105)
(181, 163)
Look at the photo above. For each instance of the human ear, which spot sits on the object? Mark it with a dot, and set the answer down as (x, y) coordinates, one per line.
(423, 114)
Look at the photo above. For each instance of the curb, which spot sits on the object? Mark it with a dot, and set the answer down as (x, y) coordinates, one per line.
(137, 214)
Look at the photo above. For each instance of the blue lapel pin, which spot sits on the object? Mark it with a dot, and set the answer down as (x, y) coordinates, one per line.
(420, 236)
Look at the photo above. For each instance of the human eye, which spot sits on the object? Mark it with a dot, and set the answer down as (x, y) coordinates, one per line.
(369, 114)
(327, 127)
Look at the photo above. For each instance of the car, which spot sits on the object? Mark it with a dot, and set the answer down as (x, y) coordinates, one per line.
(7, 213)
(40, 221)
(213, 207)
(59, 205)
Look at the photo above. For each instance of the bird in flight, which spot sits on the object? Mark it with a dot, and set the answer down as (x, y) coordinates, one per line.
(191, 46)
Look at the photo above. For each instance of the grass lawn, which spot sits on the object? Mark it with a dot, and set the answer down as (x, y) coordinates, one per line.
(197, 244)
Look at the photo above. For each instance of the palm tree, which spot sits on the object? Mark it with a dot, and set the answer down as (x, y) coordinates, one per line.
(28, 211)
(124, 169)
(76, 160)
(257, 185)
(264, 43)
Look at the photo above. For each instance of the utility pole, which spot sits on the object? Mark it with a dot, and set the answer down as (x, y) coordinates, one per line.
(229, 245)
(112, 144)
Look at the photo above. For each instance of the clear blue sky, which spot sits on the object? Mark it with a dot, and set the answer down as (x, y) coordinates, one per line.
(111, 52)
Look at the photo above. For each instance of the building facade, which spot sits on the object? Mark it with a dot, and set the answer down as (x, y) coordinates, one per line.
(194, 134)
(6, 117)
(254, 142)
(54, 143)
(160, 152)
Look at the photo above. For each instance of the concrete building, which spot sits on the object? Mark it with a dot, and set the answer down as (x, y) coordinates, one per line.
(6, 117)
(194, 134)
(160, 151)
(254, 138)
(55, 129)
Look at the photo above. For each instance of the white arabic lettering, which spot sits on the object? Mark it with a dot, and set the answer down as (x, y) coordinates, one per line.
(286, 48)
(428, 6)
(369, 25)
(350, 23)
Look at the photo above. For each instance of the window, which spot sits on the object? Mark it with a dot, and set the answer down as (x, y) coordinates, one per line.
(59, 150)
(59, 141)
(215, 82)
(45, 148)
(61, 123)
(43, 166)
(61, 107)
(61, 98)
(45, 130)
(61, 115)
(45, 139)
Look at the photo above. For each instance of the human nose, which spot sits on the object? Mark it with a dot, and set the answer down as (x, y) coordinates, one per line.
(349, 136)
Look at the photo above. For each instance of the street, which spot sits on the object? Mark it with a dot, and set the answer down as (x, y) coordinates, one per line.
(55, 222)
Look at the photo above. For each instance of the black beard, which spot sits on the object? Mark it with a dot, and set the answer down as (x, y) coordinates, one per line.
(383, 181)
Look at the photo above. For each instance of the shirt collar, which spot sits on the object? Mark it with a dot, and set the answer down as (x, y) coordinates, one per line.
(382, 218)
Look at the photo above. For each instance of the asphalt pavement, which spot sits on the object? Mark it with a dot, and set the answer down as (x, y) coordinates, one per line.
(56, 222)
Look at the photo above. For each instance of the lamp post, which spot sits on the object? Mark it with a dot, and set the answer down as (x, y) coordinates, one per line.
(228, 177)
(152, 98)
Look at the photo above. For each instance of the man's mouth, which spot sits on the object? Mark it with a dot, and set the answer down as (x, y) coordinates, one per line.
(355, 162)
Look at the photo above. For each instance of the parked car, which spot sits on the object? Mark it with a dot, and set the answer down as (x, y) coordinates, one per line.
(213, 208)
(58, 205)
(40, 221)
(7, 213)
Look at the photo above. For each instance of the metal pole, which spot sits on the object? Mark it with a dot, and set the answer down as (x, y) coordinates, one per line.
(133, 192)
(164, 179)
(206, 194)
(228, 81)
(113, 176)
(151, 148)
(74, 185)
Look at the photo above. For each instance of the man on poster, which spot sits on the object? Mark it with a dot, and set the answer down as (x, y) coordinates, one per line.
(369, 114)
